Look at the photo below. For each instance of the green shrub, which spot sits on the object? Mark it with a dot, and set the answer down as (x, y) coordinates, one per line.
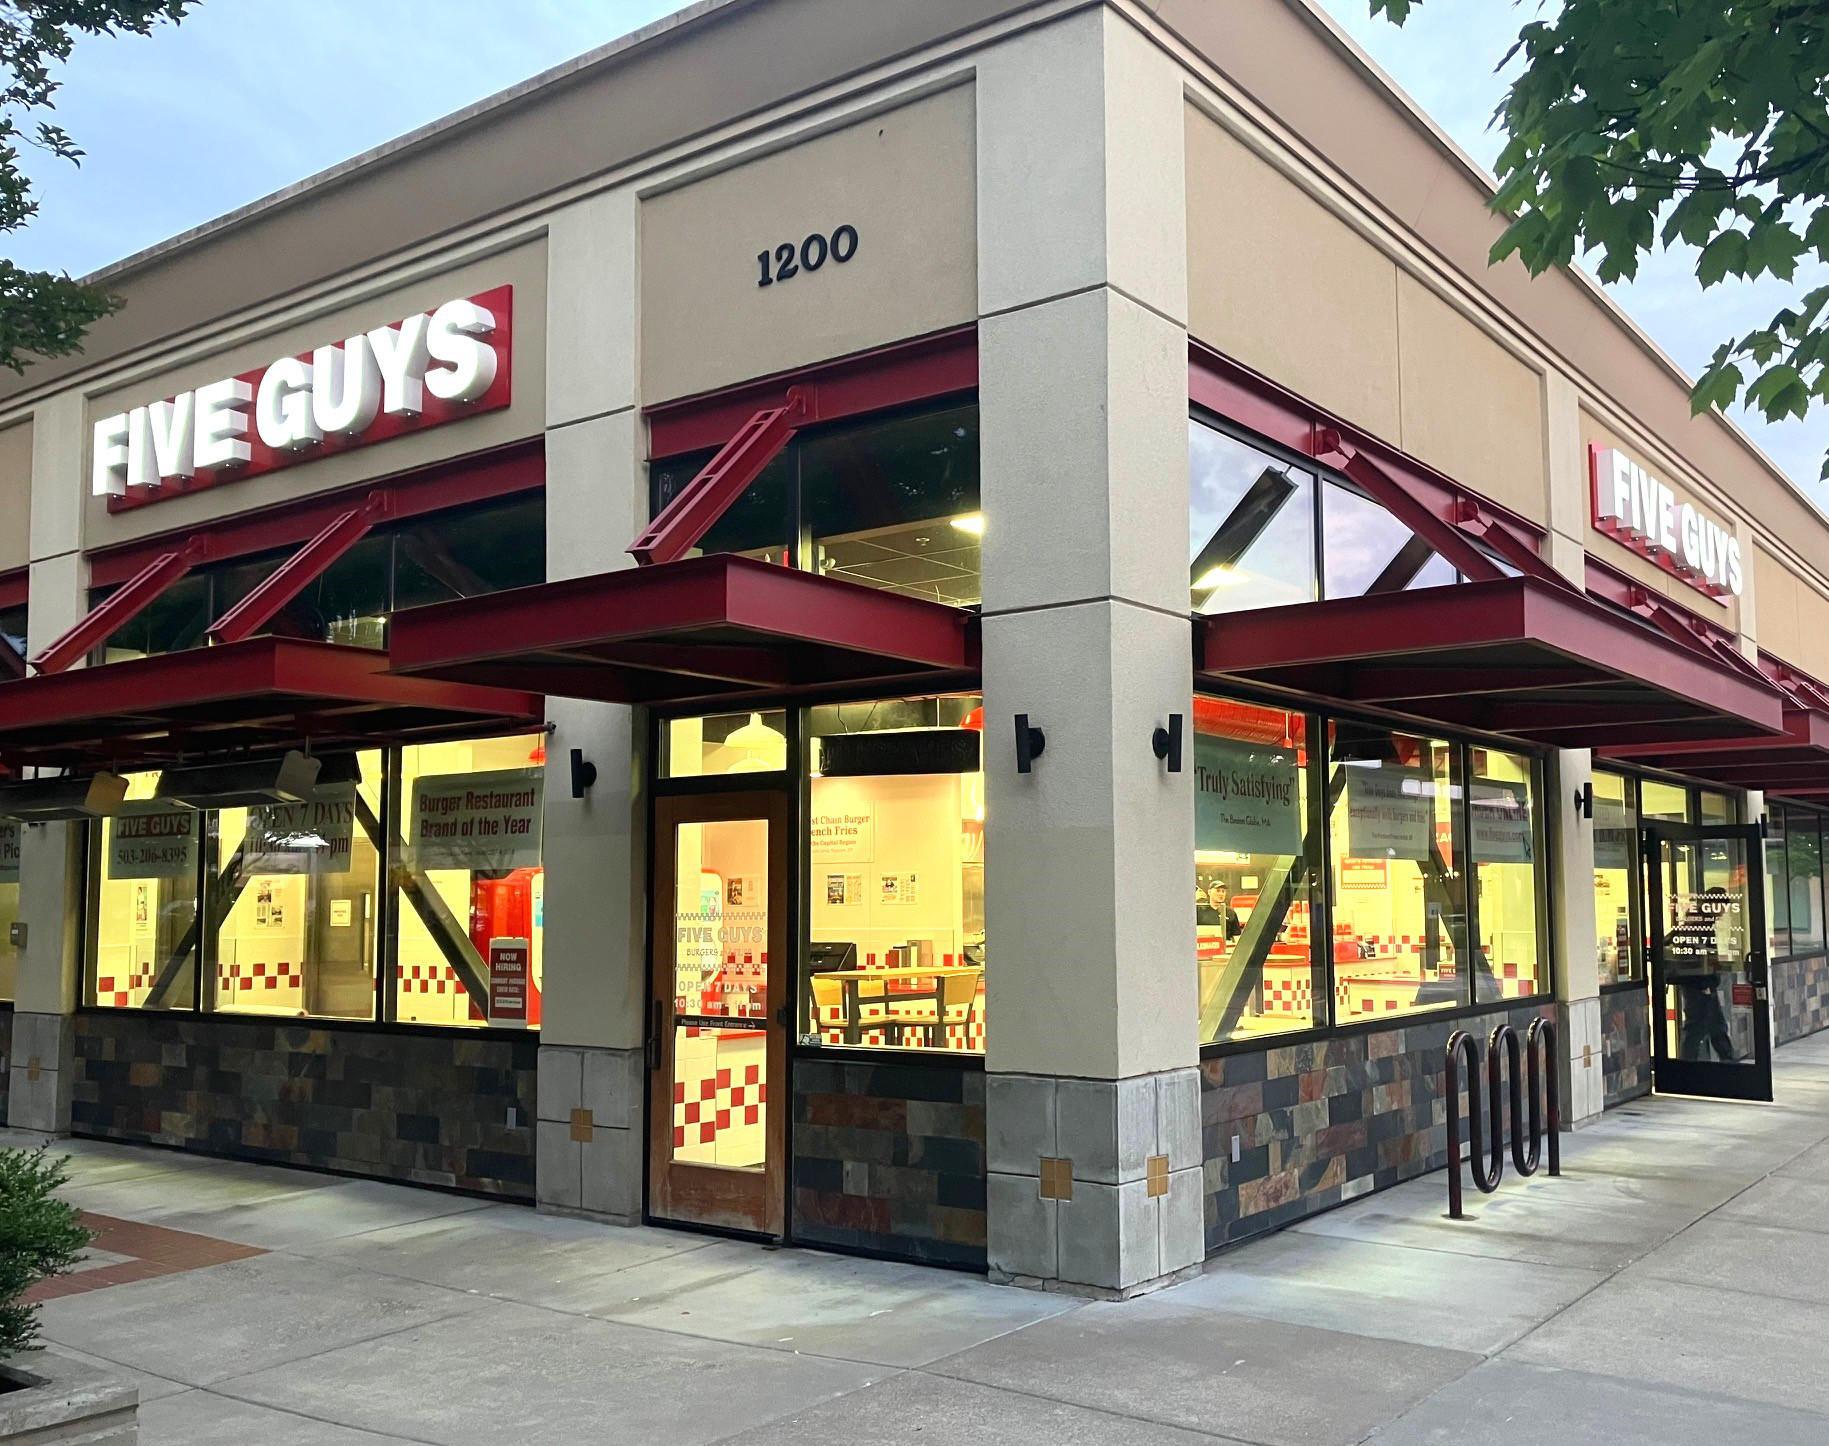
(39, 1238)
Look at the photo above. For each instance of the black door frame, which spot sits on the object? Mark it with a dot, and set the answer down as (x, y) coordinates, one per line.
(1708, 1078)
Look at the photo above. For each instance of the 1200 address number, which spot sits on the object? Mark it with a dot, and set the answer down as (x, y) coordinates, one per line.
(787, 261)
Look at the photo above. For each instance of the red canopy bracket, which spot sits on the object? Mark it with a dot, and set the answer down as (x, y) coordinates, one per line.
(708, 496)
(121, 606)
(1455, 536)
(299, 571)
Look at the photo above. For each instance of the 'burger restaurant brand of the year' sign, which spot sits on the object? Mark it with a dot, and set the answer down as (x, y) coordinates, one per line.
(433, 367)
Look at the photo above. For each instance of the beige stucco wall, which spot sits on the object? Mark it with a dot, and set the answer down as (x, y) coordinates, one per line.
(1276, 282)
(1280, 283)
(523, 267)
(905, 179)
(15, 496)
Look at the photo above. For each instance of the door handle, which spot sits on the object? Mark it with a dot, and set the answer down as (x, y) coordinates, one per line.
(654, 1038)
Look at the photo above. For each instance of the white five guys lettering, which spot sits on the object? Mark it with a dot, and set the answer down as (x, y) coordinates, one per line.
(297, 403)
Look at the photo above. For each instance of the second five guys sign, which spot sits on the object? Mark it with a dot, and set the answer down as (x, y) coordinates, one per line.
(431, 368)
(1635, 508)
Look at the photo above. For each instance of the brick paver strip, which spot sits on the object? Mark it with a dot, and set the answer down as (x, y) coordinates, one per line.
(155, 1251)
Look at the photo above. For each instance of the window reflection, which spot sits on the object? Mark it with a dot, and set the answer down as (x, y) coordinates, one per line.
(1252, 542)
(1400, 893)
(1502, 843)
(1254, 827)
(1367, 550)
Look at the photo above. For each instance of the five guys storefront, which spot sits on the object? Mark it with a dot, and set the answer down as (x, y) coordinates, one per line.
(748, 676)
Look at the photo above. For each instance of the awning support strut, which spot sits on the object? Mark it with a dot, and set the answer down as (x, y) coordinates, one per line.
(298, 572)
(120, 607)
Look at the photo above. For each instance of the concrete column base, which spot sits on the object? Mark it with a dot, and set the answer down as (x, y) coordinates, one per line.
(1094, 1186)
(1584, 1087)
(589, 1137)
(43, 1074)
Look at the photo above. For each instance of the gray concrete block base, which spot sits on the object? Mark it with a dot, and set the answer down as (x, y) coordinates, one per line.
(43, 1068)
(1094, 1186)
(589, 1135)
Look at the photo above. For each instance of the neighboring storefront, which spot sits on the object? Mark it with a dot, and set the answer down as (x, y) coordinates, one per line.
(908, 659)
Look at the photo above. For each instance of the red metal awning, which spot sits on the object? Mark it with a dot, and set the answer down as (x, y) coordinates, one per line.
(1518, 656)
(260, 694)
(708, 629)
(1797, 763)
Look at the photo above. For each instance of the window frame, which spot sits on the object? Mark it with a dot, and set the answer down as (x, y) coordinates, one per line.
(1820, 820)
(386, 949)
(1321, 912)
(796, 782)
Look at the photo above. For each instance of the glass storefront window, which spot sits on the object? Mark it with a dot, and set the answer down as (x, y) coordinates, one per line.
(759, 523)
(894, 504)
(1804, 872)
(144, 904)
(468, 895)
(1502, 843)
(1252, 538)
(1399, 887)
(1717, 807)
(1367, 550)
(714, 745)
(1667, 801)
(1255, 847)
(1617, 904)
(463, 552)
(174, 620)
(13, 629)
(896, 939)
(469, 552)
(295, 914)
(1778, 889)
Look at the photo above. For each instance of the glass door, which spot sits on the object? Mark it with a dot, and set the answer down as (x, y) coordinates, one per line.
(1711, 1031)
(717, 1051)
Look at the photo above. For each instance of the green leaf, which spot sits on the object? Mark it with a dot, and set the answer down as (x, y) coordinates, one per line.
(1726, 253)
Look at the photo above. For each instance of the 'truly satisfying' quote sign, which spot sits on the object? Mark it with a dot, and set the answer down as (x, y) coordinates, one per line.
(1247, 797)
(431, 368)
(1651, 518)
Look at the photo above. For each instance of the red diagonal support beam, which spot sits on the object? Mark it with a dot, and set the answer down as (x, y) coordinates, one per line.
(1439, 532)
(298, 572)
(120, 607)
(708, 496)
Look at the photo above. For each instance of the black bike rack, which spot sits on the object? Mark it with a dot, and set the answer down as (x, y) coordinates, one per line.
(1503, 1047)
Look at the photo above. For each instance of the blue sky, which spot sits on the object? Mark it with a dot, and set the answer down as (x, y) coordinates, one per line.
(248, 96)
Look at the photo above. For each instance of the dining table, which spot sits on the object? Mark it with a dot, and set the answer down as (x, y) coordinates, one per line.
(853, 979)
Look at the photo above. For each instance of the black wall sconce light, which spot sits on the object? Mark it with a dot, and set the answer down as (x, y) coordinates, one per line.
(584, 773)
(1584, 800)
(1166, 742)
(1031, 743)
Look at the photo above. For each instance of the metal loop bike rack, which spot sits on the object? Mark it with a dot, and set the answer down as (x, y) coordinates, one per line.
(1532, 1062)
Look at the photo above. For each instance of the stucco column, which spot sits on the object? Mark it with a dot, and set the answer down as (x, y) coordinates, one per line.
(1571, 837)
(49, 980)
(592, 1083)
(1093, 1108)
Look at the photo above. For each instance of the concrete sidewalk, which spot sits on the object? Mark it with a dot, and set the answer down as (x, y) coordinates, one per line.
(1671, 1288)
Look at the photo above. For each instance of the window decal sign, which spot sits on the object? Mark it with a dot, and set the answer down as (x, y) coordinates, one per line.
(1648, 516)
(9, 850)
(1389, 814)
(1501, 822)
(428, 369)
(152, 841)
(1615, 834)
(1247, 797)
(301, 838)
(508, 970)
(478, 820)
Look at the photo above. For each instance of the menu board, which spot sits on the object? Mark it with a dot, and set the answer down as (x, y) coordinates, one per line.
(1247, 797)
(9, 850)
(1502, 823)
(153, 841)
(1390, 813)
(478, 820)
(301, 838)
